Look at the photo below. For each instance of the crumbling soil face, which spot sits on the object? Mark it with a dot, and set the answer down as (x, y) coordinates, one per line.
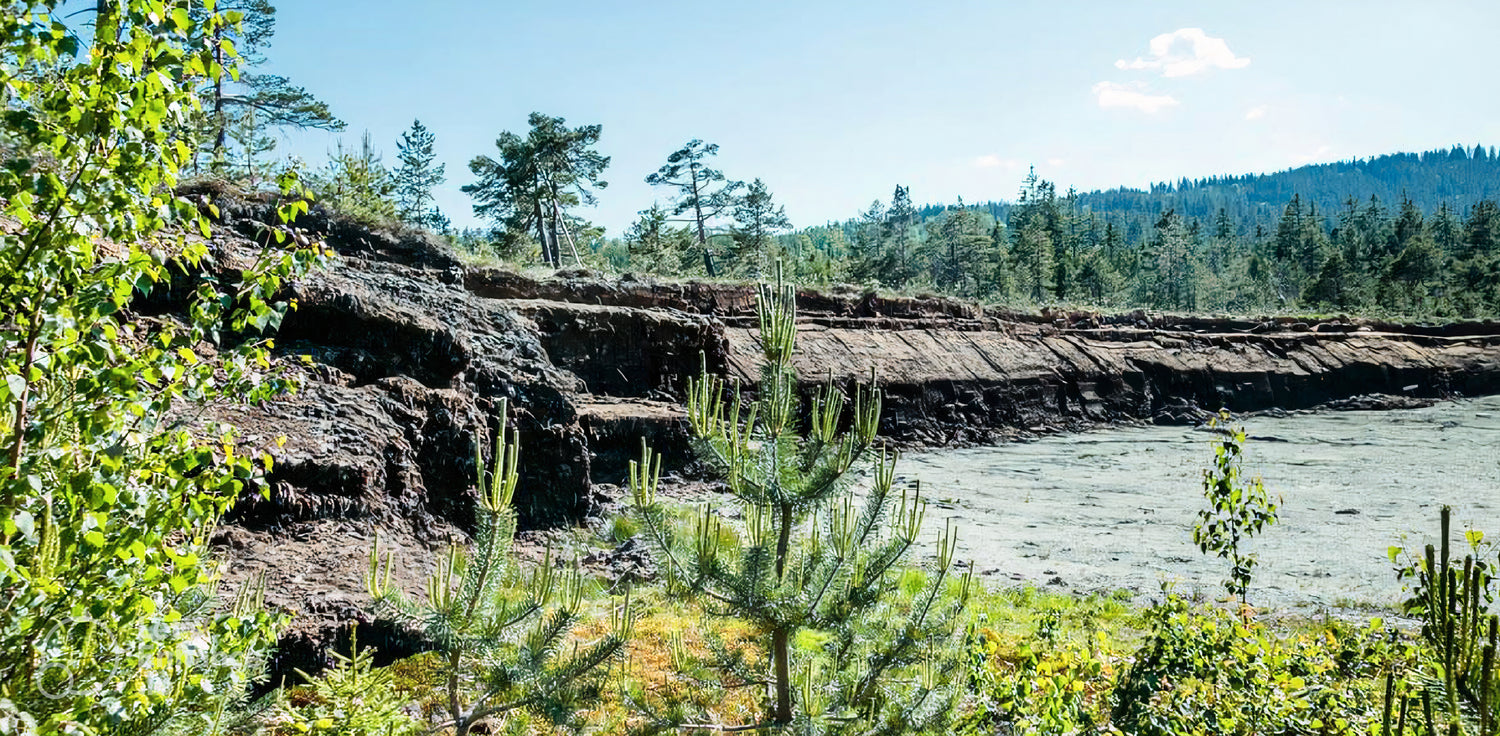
(955, 385)
(409, 354)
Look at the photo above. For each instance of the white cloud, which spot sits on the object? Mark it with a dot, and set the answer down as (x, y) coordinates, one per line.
(991, 161)
(1134, 96)
(1185, 52)
(1320, 154)
(1255, 113)
(1054, 162)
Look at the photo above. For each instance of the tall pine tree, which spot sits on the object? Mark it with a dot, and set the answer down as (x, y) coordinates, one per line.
(537, 179)
(275, 101)
(702, 191)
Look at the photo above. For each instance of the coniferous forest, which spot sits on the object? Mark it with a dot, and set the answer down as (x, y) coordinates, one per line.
(1398, 234)
(792, 578)
(1404, 234)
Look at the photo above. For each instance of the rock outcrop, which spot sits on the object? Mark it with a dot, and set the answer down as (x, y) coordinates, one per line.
(411, 351)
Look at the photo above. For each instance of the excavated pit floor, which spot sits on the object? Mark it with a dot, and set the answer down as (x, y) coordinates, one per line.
(1114, 509)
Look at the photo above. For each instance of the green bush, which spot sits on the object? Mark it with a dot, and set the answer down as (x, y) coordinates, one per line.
(502, 633)
(112, 622)
(1207, 670)
(1046, 686)
(353, 698)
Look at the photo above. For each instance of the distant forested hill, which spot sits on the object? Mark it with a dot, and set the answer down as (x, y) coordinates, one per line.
(1458, 177)
(1407, 233)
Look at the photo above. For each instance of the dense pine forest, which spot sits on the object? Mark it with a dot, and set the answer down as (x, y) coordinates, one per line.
(1400, 234)
(1410, 234)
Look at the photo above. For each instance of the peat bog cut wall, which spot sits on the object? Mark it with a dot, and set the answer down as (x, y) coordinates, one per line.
(951, 385)
(410, 351)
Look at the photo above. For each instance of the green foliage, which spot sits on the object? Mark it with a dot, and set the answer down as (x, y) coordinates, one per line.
(415, 178)
(655, 246)
(1207, 670)
(112, 623)
(352, 698)
(1453, 603)
(622, 528)
(358, 185)
(702, 191)
(536, 180)
(501, 632)
(230, 101)
(1224, 244)
(757, 218)
(1237, 510)
(812, 565)
(1047, 686)
(961, 253)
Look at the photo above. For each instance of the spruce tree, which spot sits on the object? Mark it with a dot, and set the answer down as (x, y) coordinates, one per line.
(357, 184)
(960, 252)
(757, 219)
(1033, 252)
(812, 557)
(899, 240)
(867, 260)
(415, 177)
(656, 246)
(499, 631)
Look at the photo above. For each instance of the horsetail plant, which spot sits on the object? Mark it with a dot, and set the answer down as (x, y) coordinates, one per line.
(504, 634)
(811, 555)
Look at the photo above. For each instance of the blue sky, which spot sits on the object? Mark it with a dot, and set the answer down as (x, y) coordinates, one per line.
(832, 104)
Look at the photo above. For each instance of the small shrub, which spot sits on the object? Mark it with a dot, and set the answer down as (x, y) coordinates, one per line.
(622, 528)
(1046, 685)
(1237, 509)
(1206, 670)
(353, 698)
(501, 633)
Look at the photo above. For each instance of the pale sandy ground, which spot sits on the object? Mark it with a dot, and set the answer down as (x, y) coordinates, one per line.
(1114, 509)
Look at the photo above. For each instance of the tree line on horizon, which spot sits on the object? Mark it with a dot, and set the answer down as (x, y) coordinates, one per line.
(1406, 233)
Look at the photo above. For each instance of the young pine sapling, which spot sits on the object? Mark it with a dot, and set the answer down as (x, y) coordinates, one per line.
(813, 561)
(503, 634)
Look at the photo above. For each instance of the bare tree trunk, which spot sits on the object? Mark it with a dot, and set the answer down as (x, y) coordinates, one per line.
(541, 232)
(221, 128)
(780, 654)
(780, 646)
(556, 244)
(708, 256)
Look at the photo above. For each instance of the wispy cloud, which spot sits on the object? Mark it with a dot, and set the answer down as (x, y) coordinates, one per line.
(1055, 162)
(1135, 96)
(1255, 113)
(991, 161)
(1320, 154)
(1184, 53)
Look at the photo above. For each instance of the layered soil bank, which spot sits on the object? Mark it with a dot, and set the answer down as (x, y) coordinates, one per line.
(411, 352)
